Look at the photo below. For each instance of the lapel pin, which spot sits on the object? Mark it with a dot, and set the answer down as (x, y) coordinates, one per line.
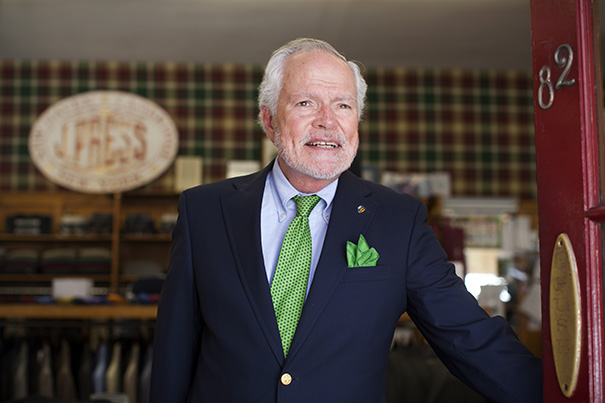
(361, 208)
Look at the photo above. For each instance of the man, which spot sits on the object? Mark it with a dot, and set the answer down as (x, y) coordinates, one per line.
(220, 336)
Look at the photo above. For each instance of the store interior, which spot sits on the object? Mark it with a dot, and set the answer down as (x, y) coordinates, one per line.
(449, 119)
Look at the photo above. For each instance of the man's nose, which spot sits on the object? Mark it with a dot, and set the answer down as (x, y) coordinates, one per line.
(325, 118)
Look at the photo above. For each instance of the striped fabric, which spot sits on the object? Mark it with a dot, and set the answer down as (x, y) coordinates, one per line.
(476, 125)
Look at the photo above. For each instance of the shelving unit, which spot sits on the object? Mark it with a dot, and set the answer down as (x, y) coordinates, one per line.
(124, 247)
(12, 311)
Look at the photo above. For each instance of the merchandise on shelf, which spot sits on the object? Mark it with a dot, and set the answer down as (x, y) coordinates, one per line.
(28, 224)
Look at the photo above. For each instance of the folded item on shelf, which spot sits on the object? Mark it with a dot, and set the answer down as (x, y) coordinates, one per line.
(100, 224)
(149, 285)
(73, 224)
(28, 224)
(20, 261)
(2, 258)
(139, 223)
(145, 290)
(167, 222)
(67, 288)
(94, 260)
(143, 268)
(44, 300)
(59, 261)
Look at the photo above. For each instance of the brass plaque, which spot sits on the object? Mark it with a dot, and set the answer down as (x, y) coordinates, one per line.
(565, 315)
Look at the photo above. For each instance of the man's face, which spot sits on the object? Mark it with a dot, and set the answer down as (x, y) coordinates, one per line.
(315, 127)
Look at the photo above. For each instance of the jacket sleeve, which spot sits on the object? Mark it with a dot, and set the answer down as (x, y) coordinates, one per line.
(179, 322)
(483, 352)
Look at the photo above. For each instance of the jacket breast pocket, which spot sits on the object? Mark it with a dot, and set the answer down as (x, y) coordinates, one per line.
(367, 273)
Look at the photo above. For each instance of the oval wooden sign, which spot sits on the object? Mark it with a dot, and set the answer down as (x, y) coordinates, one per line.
(103, 142)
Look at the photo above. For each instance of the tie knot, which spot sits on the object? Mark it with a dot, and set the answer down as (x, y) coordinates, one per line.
(305, 204)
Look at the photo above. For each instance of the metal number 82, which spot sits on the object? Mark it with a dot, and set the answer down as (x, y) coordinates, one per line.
(544, 75)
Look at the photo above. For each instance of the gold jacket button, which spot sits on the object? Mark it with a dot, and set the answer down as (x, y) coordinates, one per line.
(286, 379)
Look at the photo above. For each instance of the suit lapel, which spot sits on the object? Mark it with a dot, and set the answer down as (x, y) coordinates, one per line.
(346, 223)
(242, 218)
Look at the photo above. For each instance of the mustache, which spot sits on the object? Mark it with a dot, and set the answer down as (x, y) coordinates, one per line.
(331, 136)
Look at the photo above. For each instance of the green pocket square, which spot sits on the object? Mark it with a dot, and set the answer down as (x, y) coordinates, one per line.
(361, 254)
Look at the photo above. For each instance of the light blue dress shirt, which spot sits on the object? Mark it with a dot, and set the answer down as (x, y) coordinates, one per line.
(278, 209)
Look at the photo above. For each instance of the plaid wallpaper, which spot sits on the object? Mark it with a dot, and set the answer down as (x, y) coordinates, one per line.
(475, 125)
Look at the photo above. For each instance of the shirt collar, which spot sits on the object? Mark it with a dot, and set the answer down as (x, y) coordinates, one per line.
(283, 192)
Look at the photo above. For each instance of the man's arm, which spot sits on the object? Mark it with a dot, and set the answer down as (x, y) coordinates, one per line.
(179, 323)
(483, 352)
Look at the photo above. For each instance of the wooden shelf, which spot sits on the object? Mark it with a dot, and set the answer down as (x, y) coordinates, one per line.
(151, 193)
(7, 278)
(55, 238)
(43, 277)
(16, 311)
(124, 247)
(147, 237)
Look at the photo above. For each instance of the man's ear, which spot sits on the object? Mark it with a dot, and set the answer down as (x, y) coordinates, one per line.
(268, 122)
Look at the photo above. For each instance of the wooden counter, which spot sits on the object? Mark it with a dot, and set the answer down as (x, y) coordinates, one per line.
(18, 311)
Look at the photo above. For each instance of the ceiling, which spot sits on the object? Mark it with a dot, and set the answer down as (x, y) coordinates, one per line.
(469, 34)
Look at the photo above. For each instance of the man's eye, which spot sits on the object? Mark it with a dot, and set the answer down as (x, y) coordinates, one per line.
(303, 103)
(345, 106)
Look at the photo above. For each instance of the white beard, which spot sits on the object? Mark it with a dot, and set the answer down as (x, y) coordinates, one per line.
(317, 169)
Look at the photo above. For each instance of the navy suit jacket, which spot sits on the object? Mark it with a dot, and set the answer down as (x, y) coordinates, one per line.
(216, 338)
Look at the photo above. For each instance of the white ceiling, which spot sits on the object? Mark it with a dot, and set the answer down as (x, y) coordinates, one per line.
(475, 34)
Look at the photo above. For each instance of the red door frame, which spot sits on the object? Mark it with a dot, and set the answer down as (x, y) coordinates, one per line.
(567, 157)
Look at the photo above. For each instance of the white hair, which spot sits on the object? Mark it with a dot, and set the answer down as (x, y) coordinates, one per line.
(271, 86)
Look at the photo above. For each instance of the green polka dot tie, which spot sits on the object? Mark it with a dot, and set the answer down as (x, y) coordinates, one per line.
(289, 284)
